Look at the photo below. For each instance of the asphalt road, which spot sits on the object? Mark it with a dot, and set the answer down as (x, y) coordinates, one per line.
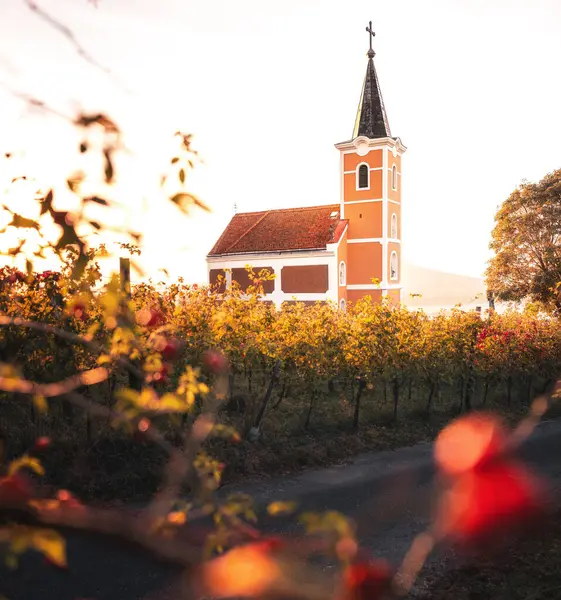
(387, 493)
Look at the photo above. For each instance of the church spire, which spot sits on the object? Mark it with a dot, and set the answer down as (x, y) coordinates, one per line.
(371, 119)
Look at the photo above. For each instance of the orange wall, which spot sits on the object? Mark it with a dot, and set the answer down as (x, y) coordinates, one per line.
(354, 295)
(374, 158)
(342, 255)
(351, 193)
(393, 208)
(365, 220)
(364, 263)
(394, 296)
(394, 161)
(397, 247)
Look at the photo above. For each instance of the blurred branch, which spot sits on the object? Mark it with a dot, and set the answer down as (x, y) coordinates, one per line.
(68, 34)
(34, 102)
(67, 335)
(182, 462)
(49, 390)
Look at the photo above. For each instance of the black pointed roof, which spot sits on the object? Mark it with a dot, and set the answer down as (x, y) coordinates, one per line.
(371, 119)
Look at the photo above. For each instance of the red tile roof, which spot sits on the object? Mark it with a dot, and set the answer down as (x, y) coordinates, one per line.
(288, 229)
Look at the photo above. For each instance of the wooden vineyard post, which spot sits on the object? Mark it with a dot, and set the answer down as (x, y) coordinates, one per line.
(125, 277)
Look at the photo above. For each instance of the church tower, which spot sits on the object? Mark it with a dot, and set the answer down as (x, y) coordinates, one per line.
(371, 182)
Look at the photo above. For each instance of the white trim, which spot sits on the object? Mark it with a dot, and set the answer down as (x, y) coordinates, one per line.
(357, 177)
(370, 168)
(364, 286)
(365, 240)
(394, 201)
(362, 201)
(343, 264)
(385, 220)
(394, 179)
(273, 255)
(393, 237)
(372, 286)
(343, 304)
(351, 146)
(370, 240)
(277, 263)
(342, 185)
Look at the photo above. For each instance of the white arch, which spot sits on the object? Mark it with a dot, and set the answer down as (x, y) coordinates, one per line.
(394, 177)
(393, 227)
(394, 266)
(342, 273)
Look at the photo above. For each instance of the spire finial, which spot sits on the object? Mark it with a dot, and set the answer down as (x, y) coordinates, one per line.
(369, 29)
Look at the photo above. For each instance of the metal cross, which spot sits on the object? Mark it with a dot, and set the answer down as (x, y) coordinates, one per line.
(371, 32)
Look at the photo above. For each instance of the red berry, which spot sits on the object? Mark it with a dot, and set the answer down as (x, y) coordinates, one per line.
(469, 442)
(149, 317)
(42, 443)
(79, 311)
(14, 490)
(162, 375)
(483, 506)
(215, 361)
(170, 348)
(367, 581)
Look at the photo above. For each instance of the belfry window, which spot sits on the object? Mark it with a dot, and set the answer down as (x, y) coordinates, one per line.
(393, 266)
(393, 228)
(363, 177)
(394, 178)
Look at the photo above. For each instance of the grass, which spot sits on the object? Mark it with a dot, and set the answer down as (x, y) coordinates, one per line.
(529, 570)
(111, 466)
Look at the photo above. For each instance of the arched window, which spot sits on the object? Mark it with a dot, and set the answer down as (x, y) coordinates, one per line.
(363, 177)
(342, 273)
(343, 304)
(393, 228)
(394, 178)
(394, 266)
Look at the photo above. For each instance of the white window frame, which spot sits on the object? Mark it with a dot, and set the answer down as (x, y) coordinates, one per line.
(357, 176)
(394, 177)
(393, 227)
(342, 280)
(394, 277)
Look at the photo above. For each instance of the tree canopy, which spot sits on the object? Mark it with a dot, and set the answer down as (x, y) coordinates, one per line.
(526, 240)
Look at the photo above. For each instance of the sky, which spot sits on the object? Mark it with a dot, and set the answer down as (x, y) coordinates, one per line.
(267, 88)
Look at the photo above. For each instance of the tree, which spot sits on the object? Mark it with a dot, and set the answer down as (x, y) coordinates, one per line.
(527, 245)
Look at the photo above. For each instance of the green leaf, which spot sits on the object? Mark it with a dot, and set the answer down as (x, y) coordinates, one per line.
(97, 200)
(51, 544)
(25, 461)
(40, 403)
(183, 200)
(47, 202)
(281, 508)
(109, 170)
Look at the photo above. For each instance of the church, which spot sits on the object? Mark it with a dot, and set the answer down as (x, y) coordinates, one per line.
(338, 252)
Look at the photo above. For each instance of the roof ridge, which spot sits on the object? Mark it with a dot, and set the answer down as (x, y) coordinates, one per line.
(248, 230)
(275, 210)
